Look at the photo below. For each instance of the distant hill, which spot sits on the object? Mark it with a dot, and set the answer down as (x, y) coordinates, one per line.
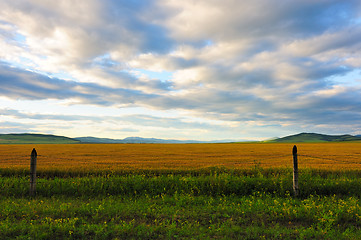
(97, 140)
(133, 140)
(315, 137)
(29, 138)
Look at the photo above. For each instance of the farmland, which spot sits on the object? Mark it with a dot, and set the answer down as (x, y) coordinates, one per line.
(119, 157)
(192, 191)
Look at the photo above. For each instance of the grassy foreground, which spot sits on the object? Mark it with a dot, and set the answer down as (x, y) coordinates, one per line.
(180, 216)
(252, 204)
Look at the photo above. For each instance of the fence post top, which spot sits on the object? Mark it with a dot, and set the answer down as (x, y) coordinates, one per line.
(34, 153)
(294, 150)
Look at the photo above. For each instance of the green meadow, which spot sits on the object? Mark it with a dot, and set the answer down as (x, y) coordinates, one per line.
(215, 204)
(29, 138)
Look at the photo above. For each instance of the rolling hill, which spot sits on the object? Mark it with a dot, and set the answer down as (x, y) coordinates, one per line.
(315, 137)
(30, 138)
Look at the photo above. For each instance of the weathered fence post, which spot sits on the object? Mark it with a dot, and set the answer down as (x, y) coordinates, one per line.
(33, 172)
(295, 171)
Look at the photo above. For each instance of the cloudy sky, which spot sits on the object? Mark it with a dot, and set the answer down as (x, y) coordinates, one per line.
(203, 70)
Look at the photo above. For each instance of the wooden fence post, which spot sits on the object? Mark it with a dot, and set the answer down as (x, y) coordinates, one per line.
(295, 171)
(33, 172)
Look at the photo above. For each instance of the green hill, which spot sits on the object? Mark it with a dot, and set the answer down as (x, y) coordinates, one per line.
(29, 138)
(315, 137)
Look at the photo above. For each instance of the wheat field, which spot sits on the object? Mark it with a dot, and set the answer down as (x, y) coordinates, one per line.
(346, 156)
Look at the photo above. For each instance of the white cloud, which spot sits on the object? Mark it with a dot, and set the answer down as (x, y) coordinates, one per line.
(237, 62)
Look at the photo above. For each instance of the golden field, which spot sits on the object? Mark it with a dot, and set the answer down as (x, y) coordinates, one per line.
(335, 156)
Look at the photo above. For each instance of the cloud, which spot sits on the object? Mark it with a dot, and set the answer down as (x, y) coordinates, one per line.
(85, 30)
(116, 125)
(254, 19)
(260, 62)
(15, 127)
(22, 84)
(134, 120)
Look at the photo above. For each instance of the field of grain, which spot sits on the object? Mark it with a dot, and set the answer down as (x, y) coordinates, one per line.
(114, 157)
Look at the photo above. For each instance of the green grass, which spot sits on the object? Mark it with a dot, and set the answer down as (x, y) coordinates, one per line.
(28, 138)
(210, 204)
(315, 138)
(180, 216)
(208, 185)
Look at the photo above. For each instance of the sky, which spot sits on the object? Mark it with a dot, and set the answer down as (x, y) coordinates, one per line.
(200, 70)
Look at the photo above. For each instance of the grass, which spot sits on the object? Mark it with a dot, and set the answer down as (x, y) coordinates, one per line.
(249, 205)
(181, 216)
(29, 138)
(154, 184)
(316, 138)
